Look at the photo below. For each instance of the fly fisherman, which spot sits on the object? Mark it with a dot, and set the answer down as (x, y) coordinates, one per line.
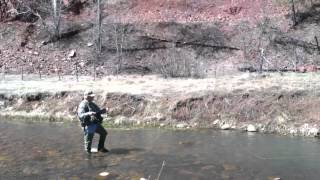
(90, 116)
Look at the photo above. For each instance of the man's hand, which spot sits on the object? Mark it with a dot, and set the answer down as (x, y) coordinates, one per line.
(91, 113)
(104, 110)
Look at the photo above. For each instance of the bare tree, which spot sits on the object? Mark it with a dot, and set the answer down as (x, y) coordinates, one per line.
(120, 39)
(3, 71)
(3, 65)
(56, 7)
(23, 61)
(294, 18)
(75, 62)
(39, 67)
(98, 38)
(317, 43)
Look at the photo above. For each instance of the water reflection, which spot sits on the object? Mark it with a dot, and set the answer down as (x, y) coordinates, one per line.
(122, 151)
(55, 151)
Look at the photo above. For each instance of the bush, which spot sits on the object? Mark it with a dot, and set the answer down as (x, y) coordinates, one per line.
(177, 63)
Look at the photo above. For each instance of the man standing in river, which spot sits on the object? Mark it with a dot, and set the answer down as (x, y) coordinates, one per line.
(90, 116)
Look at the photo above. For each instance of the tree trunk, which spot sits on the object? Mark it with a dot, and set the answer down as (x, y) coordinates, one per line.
(39, 71)
(99, 26)
(294, 19)
(56, 6)
(98, 43)
(95, 67)
(22, 73)
(3, 72)
(261, 60)
(59, 76)
(317, 42)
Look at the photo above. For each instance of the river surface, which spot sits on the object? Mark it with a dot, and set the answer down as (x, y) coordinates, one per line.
(55, 151)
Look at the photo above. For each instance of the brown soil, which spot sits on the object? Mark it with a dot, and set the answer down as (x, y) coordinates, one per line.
(219, 34)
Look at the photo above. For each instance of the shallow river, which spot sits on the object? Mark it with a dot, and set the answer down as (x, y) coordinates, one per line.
(55, 151)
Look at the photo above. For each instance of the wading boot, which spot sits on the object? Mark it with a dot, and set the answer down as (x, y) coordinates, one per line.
(103, 150)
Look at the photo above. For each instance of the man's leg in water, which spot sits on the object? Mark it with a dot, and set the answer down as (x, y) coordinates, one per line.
(103, 134)
(88, 137)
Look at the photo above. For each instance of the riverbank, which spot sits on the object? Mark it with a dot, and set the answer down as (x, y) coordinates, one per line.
(269, 103)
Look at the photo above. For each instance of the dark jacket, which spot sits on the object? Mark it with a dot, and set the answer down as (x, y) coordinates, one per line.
(83, 113)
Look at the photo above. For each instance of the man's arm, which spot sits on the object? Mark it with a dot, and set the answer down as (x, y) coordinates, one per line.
(84, 112)
(103, 111)
(97, 109)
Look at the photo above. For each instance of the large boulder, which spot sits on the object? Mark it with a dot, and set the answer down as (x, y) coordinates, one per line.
(251, 128)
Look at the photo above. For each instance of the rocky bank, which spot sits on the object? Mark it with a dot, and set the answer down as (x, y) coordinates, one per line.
(269, 105)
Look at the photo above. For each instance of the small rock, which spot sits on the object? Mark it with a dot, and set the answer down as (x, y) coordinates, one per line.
(251, 128)
(143, 179)
(30, 171)
(215, 122)
(273, 178)
(72, 53)
(314, 131)
(160, 117)
(208, 167)
(293, 131)
(181, 125)
(118, 121)
(36, 53)
(104, 174)
(229, 167)
(225, 127)
(162, 125)
(304, 129)
(90, 44)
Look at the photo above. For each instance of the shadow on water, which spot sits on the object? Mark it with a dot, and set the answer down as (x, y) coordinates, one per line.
(55, 151)
(123, 151)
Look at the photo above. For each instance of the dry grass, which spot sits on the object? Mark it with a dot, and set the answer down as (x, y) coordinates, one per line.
(276, 105)
(157, 86)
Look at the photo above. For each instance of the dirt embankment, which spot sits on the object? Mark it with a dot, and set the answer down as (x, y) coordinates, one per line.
(293, 113)
(268, 107)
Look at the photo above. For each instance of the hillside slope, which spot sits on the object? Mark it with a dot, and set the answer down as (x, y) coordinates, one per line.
(140, 36)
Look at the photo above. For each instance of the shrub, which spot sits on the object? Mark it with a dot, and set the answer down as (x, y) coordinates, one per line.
(180, 63)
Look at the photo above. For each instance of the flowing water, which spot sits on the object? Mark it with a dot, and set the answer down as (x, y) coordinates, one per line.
(55, 151)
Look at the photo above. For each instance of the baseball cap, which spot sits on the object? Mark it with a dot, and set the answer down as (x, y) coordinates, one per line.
(89, 93)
